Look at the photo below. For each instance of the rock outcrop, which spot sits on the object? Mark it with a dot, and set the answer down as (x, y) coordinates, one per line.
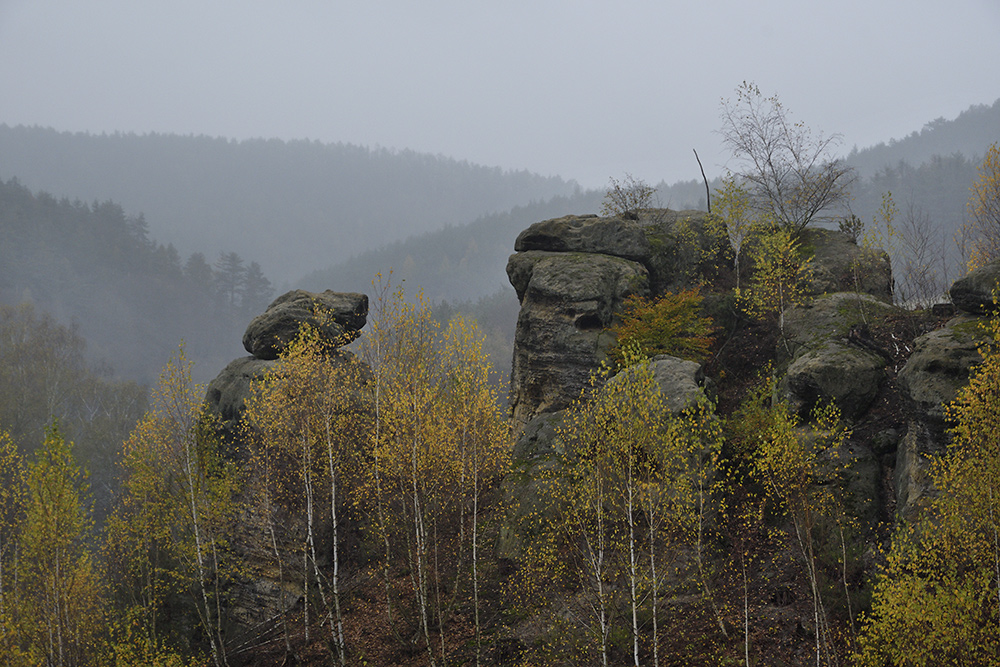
(935, 372)
(540, 448)
(338, 319)
(974, 293)
(336, 316)
(567, 302)
(824, 344)
(839, 265)
(572, 276)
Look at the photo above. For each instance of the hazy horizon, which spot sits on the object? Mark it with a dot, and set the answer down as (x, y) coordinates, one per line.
(571, 89)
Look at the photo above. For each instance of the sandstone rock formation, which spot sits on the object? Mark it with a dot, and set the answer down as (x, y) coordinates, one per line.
(540, 447)
(974, 292)
(567, 301)
(938, 367)
(839, 265)
(824, 345)
(572, 276)
(337, 316)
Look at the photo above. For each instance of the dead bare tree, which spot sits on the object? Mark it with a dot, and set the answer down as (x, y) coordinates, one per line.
(790, 173)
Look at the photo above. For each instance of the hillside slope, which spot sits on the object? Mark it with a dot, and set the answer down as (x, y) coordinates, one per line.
(292, 205)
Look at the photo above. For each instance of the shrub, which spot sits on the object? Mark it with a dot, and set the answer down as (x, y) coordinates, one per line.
(671, 324)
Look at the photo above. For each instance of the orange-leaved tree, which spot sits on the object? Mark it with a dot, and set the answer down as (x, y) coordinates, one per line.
(670, 324)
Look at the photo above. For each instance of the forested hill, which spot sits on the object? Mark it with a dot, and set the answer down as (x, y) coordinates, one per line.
(970, 134)
(928, 174)
(291, 205)
(457, 263)
(133, 299)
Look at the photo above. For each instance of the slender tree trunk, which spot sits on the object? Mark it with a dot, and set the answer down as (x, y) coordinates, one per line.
(281, 581)
(338, 633)
(633, 567)
(207, 617)
(475, 554)
(655, 582)
(420, 544)
(996, 545)
(746, 606)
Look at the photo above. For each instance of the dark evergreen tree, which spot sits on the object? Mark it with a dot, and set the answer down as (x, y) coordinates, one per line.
(229, 277)
(256, 291)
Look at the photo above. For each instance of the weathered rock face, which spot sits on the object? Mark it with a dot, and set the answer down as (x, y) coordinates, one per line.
(337, 316)
(974, 292)
(228, 392)
(938, 367)
(572, 275)
(847, 375)
(567, 301)
(830, 316)
(839, 265)
(827, 359)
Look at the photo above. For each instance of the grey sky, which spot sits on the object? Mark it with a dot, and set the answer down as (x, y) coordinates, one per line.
(585, 90)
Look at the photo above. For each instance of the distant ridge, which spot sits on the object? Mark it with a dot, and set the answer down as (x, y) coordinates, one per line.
(292, 205)
(970, 134)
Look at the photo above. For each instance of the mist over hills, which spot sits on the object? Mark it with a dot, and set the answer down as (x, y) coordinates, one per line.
(143, 271)
(928, 172)
(292, 206)
(970, 134)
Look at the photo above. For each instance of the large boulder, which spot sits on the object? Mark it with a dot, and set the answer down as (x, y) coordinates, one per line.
(674, 246)
(227, 394)
(568, 299)
(337, 316)
(974, 292)
(834, 371)
(939, 366)
(830, 316)
(587, 233)
(839, 265)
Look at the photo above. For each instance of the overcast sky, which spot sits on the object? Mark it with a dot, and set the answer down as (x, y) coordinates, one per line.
(583, 90)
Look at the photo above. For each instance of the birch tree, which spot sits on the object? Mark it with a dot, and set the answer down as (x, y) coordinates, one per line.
(59, 614)
(305, 417)
(435, 441)
(13, 489)
(170, 534)
(937, 600)
(795, 464)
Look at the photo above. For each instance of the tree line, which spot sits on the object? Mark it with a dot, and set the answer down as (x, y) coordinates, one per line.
(329, 200)
(132, 297)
